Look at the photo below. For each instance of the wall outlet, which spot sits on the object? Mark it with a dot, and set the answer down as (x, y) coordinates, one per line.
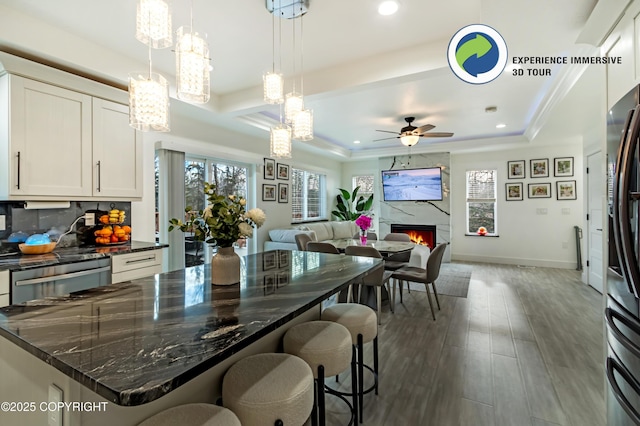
(541, 211)
(566, 210)
(3, 222)
(89, 219)
(56, 395)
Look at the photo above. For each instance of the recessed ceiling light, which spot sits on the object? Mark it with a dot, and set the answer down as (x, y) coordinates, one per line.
(501, 126)
(356, 141)
(388, 8)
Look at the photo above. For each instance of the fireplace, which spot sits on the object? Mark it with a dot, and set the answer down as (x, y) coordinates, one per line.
(420, 234)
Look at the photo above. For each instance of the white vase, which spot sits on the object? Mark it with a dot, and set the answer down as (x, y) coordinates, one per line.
(225, 267)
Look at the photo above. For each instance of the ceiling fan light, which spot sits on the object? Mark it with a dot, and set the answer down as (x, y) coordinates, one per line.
(303, 125)
(280, 146)
(192, 67)
(273, 88)
(153, 23)
(148, 102)
(388, 8)
(293, 104)
(409, 140)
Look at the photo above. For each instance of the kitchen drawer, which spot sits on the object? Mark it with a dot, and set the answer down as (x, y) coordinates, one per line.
(125, 267)
(4, 289)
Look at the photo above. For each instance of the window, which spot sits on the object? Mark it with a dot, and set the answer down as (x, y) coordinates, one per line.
(307, 196)
(365, 183)
(481, 201)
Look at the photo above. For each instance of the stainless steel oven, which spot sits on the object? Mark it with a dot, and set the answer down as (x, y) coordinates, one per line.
(59, 280)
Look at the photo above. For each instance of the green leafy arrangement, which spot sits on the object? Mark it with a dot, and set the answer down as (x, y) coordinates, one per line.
(222, 222)
(349, 206)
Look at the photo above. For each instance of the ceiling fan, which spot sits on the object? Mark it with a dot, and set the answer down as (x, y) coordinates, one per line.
(410, 134)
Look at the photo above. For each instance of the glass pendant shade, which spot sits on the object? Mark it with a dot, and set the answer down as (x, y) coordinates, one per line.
(281, 141)
(192, 67)
(409, 140)
(148, 102)
(273, 88)
(303, 125)
(293, 104)
(153, 23)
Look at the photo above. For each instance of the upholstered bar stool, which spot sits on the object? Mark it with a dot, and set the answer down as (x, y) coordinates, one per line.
(193, 414)
(362, 323)
(326, 346)
(269, 388)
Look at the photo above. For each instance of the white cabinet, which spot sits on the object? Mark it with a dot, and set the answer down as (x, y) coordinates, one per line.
(63, 144)
(117, 152)
(125, 267)
(48, 141)
(4, 288)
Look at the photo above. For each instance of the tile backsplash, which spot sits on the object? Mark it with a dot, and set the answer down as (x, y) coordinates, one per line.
(33, 221)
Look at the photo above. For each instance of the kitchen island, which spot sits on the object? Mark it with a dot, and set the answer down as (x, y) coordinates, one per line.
(150, 343)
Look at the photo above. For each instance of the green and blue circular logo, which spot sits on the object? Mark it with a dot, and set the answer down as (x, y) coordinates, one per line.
(477, 54)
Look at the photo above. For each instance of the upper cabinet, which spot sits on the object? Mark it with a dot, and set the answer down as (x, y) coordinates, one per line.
(57, 143)
(117, 152)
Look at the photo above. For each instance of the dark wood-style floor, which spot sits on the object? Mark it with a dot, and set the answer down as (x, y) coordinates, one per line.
(524, 348)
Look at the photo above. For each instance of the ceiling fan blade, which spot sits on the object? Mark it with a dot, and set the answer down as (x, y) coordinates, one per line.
(437, 135)
(387, 131)
(423, 129)
(385, 139)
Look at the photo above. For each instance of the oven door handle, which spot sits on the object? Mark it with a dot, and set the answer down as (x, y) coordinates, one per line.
(610, 315)
(62, 276)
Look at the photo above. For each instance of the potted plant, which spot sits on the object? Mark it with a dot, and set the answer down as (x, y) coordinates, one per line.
(349, 206)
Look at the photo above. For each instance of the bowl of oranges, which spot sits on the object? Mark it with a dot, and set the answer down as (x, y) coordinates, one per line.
(113, 234)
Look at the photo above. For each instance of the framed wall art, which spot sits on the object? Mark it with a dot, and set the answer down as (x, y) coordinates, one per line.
(269, 168)
(539, 190)
(268, 192)
(566, 190)
(283, 192)
(283, 171)
(540, 168)
(514, 191)
(563, 166)
(516, 169)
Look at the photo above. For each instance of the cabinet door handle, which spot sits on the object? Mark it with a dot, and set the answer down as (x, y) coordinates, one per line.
(18, 182)
(98, 164)
(146, 259)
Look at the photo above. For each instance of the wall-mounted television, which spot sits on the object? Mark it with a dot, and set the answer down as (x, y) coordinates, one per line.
(412, 184)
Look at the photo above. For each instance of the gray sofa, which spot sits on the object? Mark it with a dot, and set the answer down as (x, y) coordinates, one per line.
(284, 238)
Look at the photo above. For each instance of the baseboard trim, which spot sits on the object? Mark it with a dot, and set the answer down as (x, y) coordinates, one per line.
(513, 261)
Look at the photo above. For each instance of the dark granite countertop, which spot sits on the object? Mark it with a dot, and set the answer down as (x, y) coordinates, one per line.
(134, 342)
(72, 254)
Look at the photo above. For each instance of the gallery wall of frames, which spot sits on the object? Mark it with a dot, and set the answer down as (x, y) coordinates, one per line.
(554, 176)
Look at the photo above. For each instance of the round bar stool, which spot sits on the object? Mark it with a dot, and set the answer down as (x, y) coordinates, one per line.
(269, 388)
(361, 322)
(326, 346)
(193, 414)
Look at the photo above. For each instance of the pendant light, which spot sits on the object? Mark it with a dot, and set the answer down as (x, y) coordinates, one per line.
(303, 120)
(148, 101)
(192, 65)
(293, 102)
(273, 81)
(280, 135)
(149, 92)
(153, 23)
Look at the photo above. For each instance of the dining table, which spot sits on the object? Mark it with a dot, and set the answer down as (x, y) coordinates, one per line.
(386, 248)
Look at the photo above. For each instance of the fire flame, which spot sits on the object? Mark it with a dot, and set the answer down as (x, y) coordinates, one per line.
(416, 237)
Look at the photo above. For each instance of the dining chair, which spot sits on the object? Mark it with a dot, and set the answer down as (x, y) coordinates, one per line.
(398, 260)
(302, 240)
(377, 278)
(425, 276)
(320, 247)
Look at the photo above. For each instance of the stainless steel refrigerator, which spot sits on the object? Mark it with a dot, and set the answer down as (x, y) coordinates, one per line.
(622, 313)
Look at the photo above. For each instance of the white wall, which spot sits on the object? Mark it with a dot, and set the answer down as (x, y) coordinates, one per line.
(526, 235)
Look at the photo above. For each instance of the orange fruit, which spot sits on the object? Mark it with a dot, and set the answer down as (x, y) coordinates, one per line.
(127, 229)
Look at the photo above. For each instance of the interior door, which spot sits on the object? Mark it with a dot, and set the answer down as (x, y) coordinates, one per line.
(595, 201)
